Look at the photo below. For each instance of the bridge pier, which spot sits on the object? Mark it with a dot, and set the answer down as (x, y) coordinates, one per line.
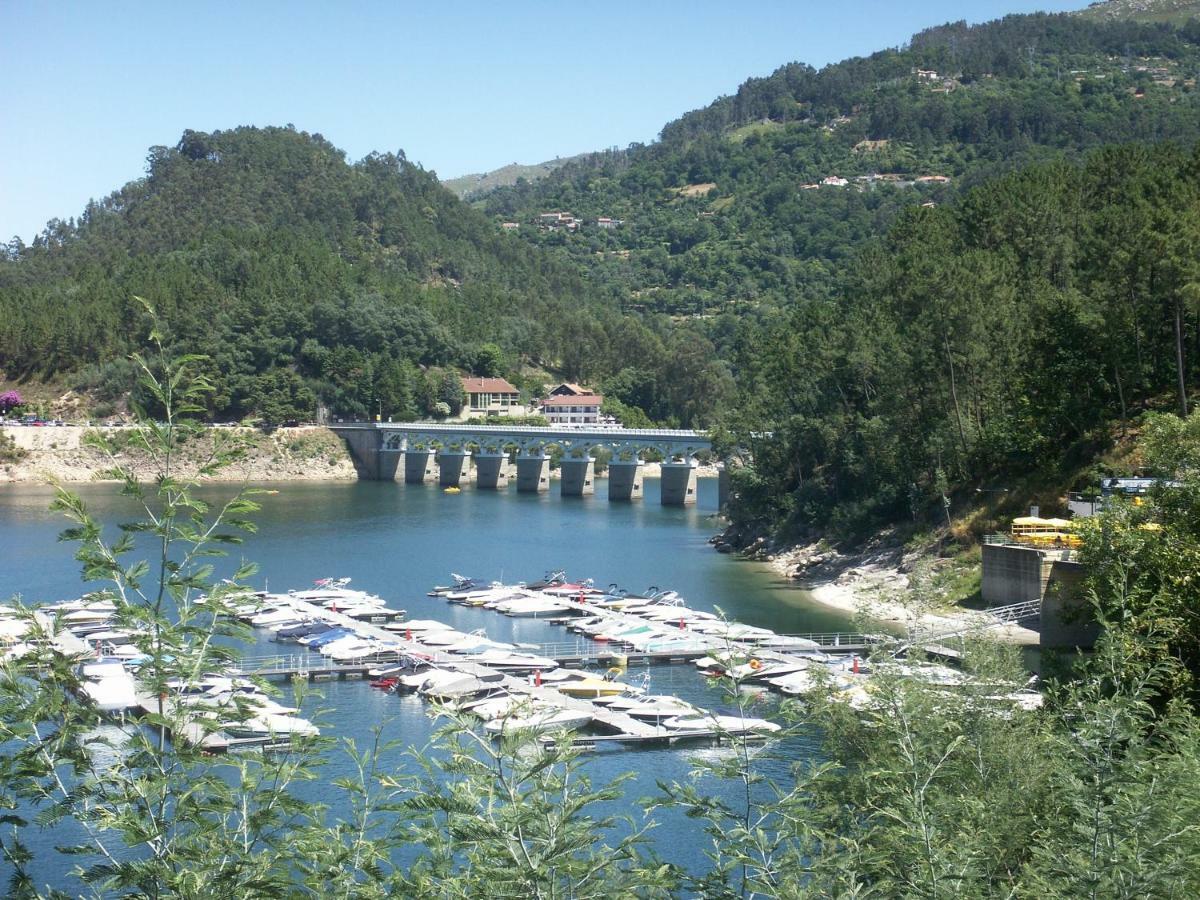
(679, 482)
(491, 471)
(418, 466)
(454, 466)
(370, 460)
(578, 477)
(533, 474)
(624, 480)
(723, 481)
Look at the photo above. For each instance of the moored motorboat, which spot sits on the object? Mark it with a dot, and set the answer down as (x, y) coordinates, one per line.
(538, 719)
(724, 722)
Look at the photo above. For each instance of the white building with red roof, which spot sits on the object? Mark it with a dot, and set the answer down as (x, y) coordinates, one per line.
(572, 409)
(491, 397)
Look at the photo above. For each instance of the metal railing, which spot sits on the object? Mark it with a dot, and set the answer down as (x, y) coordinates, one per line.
(1011, 614)
(536, 430)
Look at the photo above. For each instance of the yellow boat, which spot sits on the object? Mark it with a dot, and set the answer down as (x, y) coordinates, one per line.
(590, 687)
(452, 490)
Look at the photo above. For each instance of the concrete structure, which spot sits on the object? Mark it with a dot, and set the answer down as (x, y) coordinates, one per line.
(378, 447)
(1013, 574)
(578, 476)
(454, 466)
(624, 480)
(533, 473)
(491, 470)
(418, 465)
(723, 486)
(679, 483)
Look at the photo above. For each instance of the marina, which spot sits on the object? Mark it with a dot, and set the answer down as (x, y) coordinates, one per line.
(398, 540)
(545, 687)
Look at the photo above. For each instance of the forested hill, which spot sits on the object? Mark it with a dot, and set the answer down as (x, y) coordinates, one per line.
(301, 277)
(729, 212)
(921, 271)
(977, 292)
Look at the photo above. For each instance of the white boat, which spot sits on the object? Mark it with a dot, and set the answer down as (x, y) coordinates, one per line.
(108, 684)
(348, 640)
(660, 643)
(459, 686)
(539, 719)
(268, 725)
(789, 642)
(473, 644)
(492, 706)
(417, 626)
(727, 723)
(675, 613)
(416, 680)
(735, 631)
(370, 649)
(656, 707)
(476, 593)
(625, 632)
(275, 615)
(808, 680)
(513, 661)
(441, 638)
(763, 670)
(531, 606)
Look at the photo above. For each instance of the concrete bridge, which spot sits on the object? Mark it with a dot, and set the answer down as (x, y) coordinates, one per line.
(420, 452)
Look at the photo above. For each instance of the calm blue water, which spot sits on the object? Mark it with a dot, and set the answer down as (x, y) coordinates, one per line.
(397, 541)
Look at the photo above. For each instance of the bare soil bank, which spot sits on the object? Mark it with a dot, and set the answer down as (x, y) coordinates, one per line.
(289, 454)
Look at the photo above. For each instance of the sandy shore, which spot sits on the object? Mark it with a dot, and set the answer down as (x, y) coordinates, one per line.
(874, 585)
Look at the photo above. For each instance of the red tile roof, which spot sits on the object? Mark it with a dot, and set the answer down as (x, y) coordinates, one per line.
(567, 388)
(582, 400)
(488, 386)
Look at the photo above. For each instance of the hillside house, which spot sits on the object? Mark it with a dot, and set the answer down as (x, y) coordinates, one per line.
(491, 397)
(609, 223)
(572, 409)
(834, 181)
(555, 220)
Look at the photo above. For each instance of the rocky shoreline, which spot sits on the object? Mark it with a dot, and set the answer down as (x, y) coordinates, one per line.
(872, 581)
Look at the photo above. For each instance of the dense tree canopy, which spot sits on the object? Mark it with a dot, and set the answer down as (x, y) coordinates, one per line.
(1002, 264)
(301, 278)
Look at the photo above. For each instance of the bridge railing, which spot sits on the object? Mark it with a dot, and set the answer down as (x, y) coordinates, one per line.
(439, 427)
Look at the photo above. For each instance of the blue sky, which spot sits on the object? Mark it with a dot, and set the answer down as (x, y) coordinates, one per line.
(459, 86)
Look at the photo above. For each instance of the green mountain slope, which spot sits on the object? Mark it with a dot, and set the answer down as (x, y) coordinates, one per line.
(985, 309)
(728, 212)
(1174, 11)
(920, 270)
(302, 278)
(469, 187)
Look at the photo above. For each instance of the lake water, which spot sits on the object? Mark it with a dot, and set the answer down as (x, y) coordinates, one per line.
(398, 540)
